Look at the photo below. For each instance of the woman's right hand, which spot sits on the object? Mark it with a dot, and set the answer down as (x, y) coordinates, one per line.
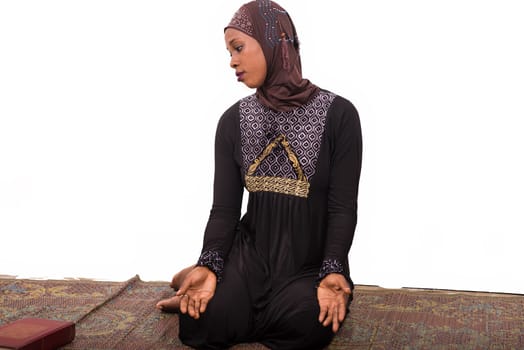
(196, 291)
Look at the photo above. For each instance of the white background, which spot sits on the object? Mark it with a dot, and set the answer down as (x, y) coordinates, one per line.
(108, 111)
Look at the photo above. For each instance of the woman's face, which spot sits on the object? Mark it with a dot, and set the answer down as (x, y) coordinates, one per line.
(247, 58)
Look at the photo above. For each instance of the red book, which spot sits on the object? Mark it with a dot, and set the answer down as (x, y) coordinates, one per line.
(36, 334)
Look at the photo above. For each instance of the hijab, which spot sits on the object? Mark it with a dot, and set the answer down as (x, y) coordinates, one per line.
(284, 87)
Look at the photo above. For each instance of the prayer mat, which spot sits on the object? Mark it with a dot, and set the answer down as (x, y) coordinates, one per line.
(122, 315)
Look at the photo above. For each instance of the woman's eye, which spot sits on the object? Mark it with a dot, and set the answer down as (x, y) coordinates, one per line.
(239, 48)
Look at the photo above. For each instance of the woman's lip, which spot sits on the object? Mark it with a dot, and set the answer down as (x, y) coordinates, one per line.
(240, 76)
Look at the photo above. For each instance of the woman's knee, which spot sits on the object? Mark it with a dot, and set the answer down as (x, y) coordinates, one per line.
(224, 322)
(300, 330)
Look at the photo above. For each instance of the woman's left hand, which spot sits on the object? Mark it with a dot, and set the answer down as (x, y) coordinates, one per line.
(333, 294)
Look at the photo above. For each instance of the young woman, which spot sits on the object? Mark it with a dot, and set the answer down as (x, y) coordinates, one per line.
(279, 275)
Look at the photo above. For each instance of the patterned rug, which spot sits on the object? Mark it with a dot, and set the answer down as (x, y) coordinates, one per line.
(121, 315)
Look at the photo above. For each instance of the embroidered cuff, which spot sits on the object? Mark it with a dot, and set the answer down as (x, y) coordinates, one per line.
(330, 266)
(213, 261)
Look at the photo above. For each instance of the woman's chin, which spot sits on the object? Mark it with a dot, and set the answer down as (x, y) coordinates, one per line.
(251, 85)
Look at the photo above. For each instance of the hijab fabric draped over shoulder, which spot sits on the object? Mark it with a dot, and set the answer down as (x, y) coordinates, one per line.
(284, 87)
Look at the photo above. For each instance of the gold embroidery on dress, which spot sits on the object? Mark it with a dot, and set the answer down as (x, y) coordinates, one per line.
(296, 187)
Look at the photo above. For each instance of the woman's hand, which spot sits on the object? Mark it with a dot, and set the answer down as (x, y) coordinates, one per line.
(333, 294)
(196, 291)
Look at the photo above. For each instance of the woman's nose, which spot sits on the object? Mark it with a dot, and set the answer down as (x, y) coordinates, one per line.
(233, 63)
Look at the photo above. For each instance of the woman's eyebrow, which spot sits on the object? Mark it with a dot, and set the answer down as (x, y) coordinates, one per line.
(232, 41)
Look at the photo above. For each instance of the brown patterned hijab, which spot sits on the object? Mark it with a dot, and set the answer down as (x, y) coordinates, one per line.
(267, 22)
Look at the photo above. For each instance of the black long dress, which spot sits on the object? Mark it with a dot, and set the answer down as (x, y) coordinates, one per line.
(302, 171)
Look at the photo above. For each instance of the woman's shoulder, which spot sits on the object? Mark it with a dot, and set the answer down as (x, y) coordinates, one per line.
(234, 110)
(230, 118)
(340, 103)
(230, 115)
(231, 110)
(342, 113)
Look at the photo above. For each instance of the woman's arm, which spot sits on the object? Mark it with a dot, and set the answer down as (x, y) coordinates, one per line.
(345, 138)
(227, 195)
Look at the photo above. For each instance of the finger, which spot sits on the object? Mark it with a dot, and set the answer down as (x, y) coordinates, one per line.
(341, 312)
(323, 313)
(203, 305)
(197, 305)
(335, 322)
(183, 303)
(329, 317)
(183, 288)
(197, 309)
(341, 307)
(181, 292)
(191, 308)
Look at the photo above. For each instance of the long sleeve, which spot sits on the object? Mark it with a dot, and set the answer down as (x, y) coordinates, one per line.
(345, 138)
(227, 195)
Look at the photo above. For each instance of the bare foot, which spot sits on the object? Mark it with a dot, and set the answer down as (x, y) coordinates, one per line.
(171, 305)
(179, 277)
